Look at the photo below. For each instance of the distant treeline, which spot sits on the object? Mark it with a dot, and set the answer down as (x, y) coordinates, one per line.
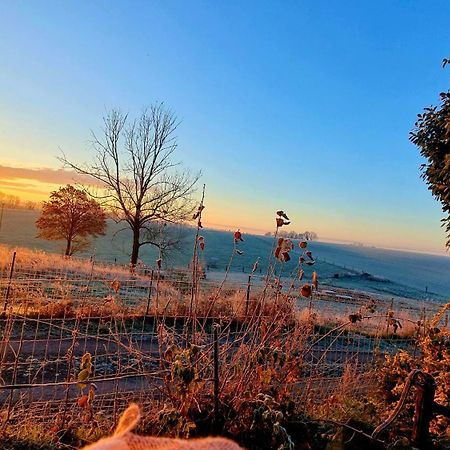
(14, 202)
(305, 236)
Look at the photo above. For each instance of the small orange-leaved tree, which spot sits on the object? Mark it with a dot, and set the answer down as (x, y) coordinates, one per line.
(71, 215)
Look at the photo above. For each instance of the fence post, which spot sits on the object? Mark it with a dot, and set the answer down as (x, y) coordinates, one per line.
(149, 294)
(216, 374)
(8, 289)
(247, 300)
(423, 411)
(424, 321)
(391, 308)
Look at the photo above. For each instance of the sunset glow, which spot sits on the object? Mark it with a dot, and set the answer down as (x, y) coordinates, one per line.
(268, 121)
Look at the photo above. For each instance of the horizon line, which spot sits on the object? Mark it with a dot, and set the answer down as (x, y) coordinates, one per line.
(443, 253)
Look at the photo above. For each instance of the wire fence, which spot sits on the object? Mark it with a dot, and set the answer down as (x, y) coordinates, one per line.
(53, 317)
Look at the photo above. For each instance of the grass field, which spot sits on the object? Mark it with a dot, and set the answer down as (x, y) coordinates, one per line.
(242, 358)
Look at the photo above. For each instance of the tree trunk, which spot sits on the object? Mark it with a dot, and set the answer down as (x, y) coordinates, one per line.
(135, 249)
(68, 247)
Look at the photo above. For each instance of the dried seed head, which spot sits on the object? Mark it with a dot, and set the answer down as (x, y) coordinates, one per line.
(285, 256)
(82, 402)
(287, 245)
(353, 318)
(237, 236)
(115, 285)
(306, 291)
(277, 252)
(315, 283)
(281, 213)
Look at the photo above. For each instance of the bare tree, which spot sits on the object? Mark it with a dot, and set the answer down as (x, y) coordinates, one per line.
(138, 181)
(168, 238)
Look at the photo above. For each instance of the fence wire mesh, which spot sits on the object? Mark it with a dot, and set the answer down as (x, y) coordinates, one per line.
(53, 316)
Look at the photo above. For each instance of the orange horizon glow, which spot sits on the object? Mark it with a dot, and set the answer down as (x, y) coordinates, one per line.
(36, 184)
(223, 213)
(36, 193)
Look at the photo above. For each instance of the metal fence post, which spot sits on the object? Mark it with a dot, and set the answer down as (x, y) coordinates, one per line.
(216, 374)
(8, 289)
(149, 294)
(247, 300)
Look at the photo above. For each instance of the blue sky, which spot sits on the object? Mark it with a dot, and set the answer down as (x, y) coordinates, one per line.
(304, 106)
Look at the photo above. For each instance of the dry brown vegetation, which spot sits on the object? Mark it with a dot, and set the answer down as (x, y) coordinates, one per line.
(79, 341)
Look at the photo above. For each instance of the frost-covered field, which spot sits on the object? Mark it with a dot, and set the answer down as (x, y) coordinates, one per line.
(388, 272)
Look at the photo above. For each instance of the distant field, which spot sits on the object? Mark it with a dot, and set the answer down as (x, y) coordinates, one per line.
(381, 271)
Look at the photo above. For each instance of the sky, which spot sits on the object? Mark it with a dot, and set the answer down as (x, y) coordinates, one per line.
(301, 106)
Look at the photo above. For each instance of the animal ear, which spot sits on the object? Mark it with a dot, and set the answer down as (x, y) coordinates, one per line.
(128, 420)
